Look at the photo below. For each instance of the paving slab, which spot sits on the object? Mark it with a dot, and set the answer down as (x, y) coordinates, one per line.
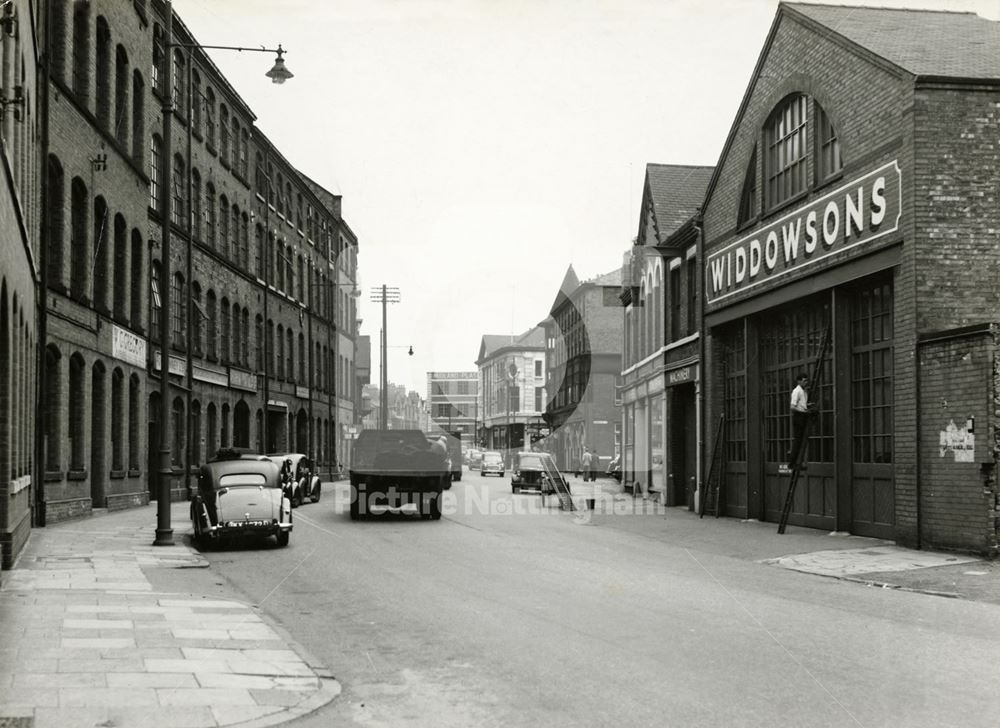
(87, 640)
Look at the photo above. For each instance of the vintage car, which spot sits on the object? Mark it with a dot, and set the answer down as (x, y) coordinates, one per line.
(304, 482)
(492, 462)
(532, 471)
(475, 459)
(240, 495)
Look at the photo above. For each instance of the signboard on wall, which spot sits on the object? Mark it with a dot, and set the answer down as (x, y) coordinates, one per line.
(127, 346)
(856, 213)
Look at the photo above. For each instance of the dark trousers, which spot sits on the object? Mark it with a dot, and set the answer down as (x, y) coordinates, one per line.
(799, 420)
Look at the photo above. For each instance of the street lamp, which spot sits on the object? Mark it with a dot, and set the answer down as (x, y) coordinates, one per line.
(278, 74)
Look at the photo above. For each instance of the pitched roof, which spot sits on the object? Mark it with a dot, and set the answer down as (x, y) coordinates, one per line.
(570, 283)
(922, 42)
(611, 278)
(676, 191)
(533, 338)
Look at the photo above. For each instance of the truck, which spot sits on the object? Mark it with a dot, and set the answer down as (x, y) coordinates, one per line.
(394, 468)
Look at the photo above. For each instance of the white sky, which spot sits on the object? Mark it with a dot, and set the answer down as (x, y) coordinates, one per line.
(481, 146)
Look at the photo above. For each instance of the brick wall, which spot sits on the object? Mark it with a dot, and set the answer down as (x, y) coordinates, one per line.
(958, 490)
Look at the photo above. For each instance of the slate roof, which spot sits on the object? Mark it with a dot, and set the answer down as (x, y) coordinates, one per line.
(922, 42)
(676, 192)
(533, 338)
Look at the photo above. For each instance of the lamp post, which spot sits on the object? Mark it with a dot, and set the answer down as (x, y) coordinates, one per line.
(278, 74)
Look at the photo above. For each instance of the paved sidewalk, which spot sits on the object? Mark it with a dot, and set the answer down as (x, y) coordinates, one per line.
(870, 562)
(86, 640)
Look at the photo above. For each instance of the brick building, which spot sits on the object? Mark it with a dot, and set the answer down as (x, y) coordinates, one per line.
(583, 335)
(21, 264)
(856, 197)
(261, 325)
(661, 361)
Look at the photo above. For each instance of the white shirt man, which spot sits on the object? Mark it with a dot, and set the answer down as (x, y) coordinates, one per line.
(800, 399)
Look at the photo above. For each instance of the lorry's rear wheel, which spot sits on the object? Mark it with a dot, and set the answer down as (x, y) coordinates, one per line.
(355, 503)
(282, 537)
(434, 507)
(355, 511)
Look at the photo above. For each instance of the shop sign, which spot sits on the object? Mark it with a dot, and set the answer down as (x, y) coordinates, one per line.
(211, 376)
(127, 346)
(854, 214)
(176, 365)
(239, 379)
(682, 376)
(301, 392)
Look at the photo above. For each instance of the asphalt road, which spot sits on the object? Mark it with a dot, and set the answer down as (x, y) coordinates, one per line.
(505, 614)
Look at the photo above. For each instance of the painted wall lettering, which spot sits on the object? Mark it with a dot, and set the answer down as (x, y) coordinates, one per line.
(959, 442)
(859, 212)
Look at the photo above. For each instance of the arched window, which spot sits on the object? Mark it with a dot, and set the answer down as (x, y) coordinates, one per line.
(54, 388)
(118, 420)
(280, 354)
(290, 355)
(196, 205)
(786, 150)
(100, 262)
(258, 336)
(156, 72)
(212, 326)
(179, 192)
(269, 353)
(246, 338)
(76, 432)
(180, 75)
(244, 144)
(210, 215)
(224, 247)
(209, 117)
(197, 101)
(211, 430)
(301, 278)
(138, 119)
(235, 135)
(289, 271)
(237, 330)
(155, 175)
(134, 395)
(103, 76)
(79, 244)
(177, 428)
(56, 204)
(280, 204)
(224, 134)
(234, 234)
(121, 97)
(196, 321)
(302, 360)
(177, 312)
(59, 38)
(226, 336)
(121, 283)
(136, 291)
(81, 50)
(259, 247)
(196, 449)
(155, 303)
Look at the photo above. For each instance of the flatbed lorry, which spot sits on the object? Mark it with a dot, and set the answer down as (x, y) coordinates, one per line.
(394, 468)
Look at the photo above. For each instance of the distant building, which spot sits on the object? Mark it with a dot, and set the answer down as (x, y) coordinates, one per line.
(453, 403)
(583, 335)
(511, 389)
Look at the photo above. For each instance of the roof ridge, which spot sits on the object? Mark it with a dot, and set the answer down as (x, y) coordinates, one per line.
(882, 7)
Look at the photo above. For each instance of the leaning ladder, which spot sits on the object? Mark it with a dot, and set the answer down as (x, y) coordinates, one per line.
(561, 488)
(817, 375)
(716, 475)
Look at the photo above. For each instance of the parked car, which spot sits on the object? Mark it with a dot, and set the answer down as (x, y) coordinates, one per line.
(615, 468)
(492, 462)
(475, 459)
(240, 495)
(303, 481)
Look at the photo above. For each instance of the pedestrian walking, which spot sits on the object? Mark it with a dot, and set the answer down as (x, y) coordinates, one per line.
(800, 412)
(595, 460)
(585, 464)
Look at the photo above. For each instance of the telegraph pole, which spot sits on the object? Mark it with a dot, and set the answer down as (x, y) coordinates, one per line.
(384, 295)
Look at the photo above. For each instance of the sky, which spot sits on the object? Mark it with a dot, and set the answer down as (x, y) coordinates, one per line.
(483, 146)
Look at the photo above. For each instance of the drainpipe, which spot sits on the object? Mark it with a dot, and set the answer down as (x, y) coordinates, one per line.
(38, 511)
(699, 386)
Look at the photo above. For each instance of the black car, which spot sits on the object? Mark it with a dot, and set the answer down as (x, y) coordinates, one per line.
(304, 481)
(240, 495)
(530, 472)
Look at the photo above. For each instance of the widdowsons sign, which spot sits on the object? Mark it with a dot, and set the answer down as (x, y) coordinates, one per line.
(856, 213)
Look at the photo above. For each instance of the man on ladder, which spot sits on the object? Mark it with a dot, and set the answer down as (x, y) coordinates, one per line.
(801, 412)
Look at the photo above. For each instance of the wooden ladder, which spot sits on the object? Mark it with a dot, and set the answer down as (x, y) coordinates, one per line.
(716, 475)
(797, 466)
